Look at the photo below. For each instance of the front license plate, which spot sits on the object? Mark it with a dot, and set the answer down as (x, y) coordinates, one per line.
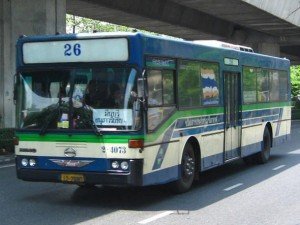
(72, 178)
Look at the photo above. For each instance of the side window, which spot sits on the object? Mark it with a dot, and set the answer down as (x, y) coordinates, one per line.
(161, 97)
(263, 94)
(168, 87)
(189, 83)
(155, 87)
(283, 88)
(274, 85)
(210, 83)
(249, 84)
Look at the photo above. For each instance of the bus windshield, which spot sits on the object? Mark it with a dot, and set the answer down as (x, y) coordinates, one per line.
(78, 99)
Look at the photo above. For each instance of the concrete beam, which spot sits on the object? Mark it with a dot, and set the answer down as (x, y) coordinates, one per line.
(157, 11)
(287, 10)
(23, 17)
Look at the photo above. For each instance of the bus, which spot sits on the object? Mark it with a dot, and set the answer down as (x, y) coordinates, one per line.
(130, 109)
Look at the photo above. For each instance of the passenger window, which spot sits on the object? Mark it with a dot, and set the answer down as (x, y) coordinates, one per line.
(283, 88)
(189, 83)
(274, 85)
(161, 96)
(168, 87)
(210, 83)
(263, 94)
(155, 88)
(249, 85)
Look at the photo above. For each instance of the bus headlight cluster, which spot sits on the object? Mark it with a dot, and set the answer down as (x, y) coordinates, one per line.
(119, 165)
(28, 162)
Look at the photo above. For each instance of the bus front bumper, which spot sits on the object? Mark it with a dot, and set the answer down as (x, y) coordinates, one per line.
(133, 178)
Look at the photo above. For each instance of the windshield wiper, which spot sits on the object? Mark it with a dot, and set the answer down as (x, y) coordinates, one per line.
(55, 112)
(91, 121)
(53, 115)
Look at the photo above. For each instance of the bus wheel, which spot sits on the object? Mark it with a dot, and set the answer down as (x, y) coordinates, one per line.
(188, 166)
(264, 155)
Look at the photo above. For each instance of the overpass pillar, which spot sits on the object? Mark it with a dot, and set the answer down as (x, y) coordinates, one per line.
(268, 48)
(28, 17)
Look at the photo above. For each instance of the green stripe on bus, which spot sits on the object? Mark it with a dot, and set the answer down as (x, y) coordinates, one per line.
(77, 138)
(265, 105)
(91, 138)
(181, 114)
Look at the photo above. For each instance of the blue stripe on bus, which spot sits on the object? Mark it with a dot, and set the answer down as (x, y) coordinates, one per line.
(173, 173)
(198, 125)
(163, 148)
(162, 176)
(251, 121)
(99, 165)
(198, 130)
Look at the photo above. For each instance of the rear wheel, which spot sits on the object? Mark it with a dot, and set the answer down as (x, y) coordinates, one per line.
(264, 155)
(188, 166)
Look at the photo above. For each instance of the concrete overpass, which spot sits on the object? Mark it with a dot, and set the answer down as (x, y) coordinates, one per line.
(268, 26)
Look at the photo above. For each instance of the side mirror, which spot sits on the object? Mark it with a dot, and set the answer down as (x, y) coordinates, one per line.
(16, 88)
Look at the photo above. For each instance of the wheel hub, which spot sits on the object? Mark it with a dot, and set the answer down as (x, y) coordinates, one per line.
(189, 166)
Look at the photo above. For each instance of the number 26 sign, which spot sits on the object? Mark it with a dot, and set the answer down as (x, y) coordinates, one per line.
(72, 49)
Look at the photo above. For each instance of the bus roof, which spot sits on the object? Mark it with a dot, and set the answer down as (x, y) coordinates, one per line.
(161, 45)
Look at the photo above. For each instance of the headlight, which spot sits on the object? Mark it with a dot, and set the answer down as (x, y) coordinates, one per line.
(24, 162)
(32, 162)
(115, 165)
(124, 165)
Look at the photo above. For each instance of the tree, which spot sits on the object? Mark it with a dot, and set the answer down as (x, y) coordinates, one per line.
(76, 24)
(295, 80)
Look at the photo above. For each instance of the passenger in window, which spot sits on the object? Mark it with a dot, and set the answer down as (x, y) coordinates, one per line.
(96, 94)
(115, 99)
(42, 89)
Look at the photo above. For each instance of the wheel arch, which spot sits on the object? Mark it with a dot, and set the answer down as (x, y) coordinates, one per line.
(269, 127)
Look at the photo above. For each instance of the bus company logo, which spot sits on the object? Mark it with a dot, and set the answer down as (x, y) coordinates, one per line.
(70, 152)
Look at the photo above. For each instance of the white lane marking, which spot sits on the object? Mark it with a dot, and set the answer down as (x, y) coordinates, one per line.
(233, 186)
(161, 215)
(295, 152)
(10, 165)
(278, 167)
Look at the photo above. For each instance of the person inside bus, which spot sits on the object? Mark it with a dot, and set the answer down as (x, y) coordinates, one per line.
(96, 94)
(115, 100)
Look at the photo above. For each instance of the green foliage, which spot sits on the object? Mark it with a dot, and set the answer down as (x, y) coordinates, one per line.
(295, 80)
(6, 139)
(76, 24)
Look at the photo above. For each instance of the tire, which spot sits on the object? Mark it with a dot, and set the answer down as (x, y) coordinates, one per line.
(264, 155)
(188, 167)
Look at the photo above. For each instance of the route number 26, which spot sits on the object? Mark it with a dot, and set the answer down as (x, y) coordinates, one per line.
(72, 49)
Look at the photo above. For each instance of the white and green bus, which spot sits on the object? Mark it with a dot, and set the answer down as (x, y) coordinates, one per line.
(130, 109)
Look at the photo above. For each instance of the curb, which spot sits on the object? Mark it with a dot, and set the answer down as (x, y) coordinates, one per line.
(7, 159)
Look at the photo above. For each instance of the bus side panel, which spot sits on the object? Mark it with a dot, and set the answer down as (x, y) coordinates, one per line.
(251, 140)
(161, 165)
(282, 127)
(211, 146)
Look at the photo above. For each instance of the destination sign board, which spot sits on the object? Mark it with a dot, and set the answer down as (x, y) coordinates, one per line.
(92, 50)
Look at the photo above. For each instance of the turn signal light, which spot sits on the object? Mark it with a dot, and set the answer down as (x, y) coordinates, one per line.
(138, 143)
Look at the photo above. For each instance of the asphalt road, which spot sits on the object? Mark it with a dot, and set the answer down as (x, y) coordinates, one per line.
(232, 194)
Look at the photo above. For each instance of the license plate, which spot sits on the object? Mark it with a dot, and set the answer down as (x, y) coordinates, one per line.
(72, 178)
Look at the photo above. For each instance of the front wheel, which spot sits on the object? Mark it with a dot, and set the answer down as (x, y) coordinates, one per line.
(264, 155)
(188, 167)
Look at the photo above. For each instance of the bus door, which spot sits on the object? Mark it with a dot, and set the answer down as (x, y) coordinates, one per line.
(232, 104)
